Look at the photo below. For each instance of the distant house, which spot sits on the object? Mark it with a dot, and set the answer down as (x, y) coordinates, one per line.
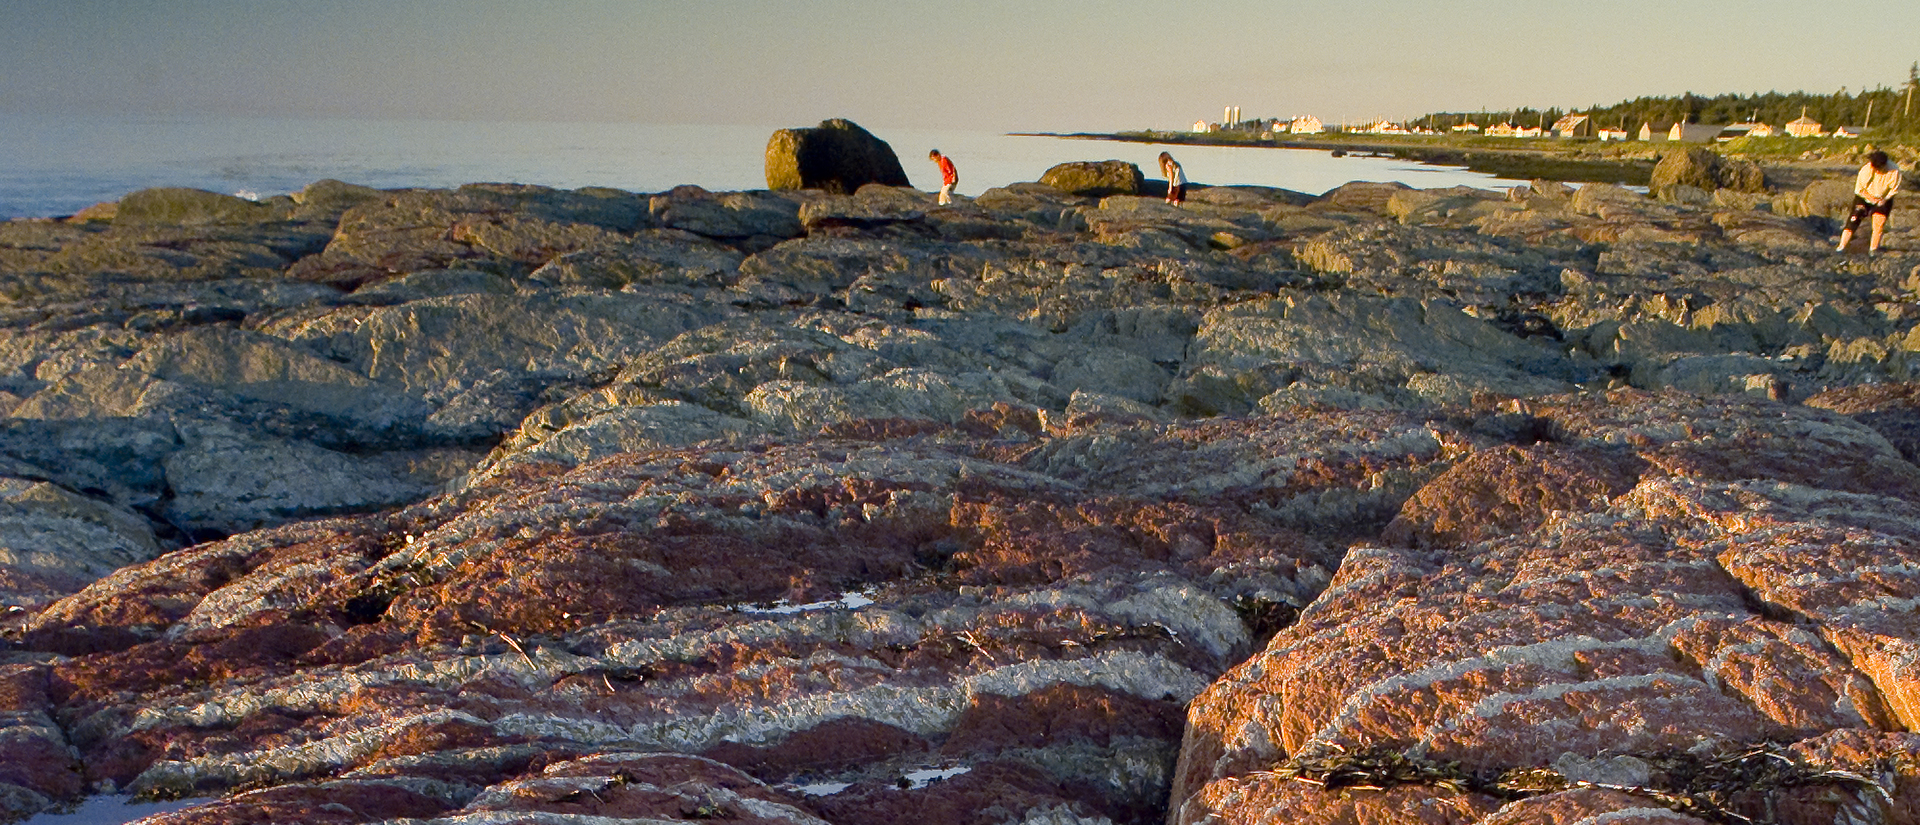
(1656, 131)
(1573, 126)
(1384, 127)
(1695, 132)
(1502, 129)
(1848, 131)
(1306, 125)
(1613, 134)
(1804, 126)
(1529, 132)
(1748, 129)
(1203, 127)
(1465, 127)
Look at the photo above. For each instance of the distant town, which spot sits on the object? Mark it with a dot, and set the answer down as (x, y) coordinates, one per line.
(1566, 126)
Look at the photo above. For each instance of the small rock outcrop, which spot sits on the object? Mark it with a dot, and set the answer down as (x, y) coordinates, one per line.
(1096, 179)
(837, 157)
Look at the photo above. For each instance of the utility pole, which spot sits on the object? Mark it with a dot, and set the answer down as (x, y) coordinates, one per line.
(1864, 126)
(1913, 79)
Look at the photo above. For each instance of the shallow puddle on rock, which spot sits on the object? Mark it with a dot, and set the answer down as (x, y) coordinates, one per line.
(110, 810)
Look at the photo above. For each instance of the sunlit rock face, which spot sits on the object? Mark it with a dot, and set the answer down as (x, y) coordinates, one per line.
(506, 504)
(1693, 599)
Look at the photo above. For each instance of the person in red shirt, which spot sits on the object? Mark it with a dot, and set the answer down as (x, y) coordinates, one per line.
(948, 176)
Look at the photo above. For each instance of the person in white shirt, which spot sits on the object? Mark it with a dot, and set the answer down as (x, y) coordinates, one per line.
(1176, 179)
(1872, 196)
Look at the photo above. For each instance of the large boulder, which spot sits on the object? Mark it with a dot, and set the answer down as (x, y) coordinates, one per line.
(837, 156)
(1821, 199)
(1705, 169)
(1096, 179)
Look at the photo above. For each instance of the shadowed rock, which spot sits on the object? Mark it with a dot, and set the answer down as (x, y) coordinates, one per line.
(1706, 170)
(837, 157)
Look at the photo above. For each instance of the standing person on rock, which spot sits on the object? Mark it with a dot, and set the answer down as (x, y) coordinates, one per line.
(1872, 196)
(1176, 179)
(949, 177)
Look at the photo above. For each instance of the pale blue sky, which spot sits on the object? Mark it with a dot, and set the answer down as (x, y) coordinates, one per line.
(972, 64)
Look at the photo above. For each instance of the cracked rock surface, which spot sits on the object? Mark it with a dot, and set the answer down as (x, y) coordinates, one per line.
(512, 504)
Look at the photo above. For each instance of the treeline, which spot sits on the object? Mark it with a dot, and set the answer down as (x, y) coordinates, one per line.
(1885, 109)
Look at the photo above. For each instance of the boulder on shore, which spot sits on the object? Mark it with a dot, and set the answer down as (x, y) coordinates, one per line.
(837, 156)
(187, 207)
(1097, 179)
(1703, 168)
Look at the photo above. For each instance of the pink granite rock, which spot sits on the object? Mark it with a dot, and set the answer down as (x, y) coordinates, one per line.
(1677, 576)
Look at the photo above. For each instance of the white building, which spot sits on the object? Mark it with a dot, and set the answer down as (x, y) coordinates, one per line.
(1306, 125)
(1748, 129)
(1695, 132)
(1573, 126)
(1804, 126)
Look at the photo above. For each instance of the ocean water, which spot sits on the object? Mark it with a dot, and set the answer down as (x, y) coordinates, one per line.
(57, 165)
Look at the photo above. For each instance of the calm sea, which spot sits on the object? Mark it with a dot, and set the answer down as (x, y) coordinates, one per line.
(58, 165)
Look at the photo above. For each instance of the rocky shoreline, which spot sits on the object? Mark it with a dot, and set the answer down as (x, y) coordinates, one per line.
(1628, 164)
(1512, 163)
(512, 504)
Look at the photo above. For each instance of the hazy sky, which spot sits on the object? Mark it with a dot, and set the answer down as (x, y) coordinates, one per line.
(1051, 65)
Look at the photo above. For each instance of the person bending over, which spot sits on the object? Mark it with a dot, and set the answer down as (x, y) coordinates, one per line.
(949, 177)
(1872, 198)
(1176, 179)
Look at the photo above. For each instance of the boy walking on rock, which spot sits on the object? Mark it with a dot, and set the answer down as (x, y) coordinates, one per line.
(949, 178)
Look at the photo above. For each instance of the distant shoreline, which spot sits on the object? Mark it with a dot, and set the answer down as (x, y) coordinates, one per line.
(1515, 164)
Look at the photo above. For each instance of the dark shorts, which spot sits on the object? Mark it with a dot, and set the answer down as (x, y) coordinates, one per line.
(1861, 209)
(1177, 192)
